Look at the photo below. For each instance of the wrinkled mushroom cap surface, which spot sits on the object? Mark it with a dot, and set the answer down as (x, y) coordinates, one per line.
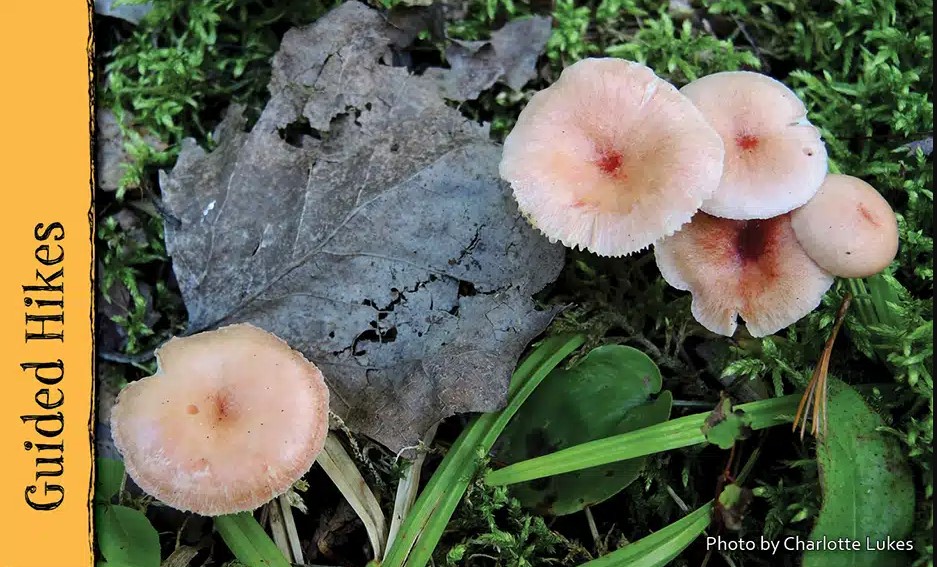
(755, 269)
(848, 228)
(610, 158)
(774, 159)
(232, 418)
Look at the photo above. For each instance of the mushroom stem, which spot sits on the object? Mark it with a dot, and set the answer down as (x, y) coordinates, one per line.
(283, 527)
(339, 467)
(815, 396)
(278, 529)
(407, 490)
(291, 530)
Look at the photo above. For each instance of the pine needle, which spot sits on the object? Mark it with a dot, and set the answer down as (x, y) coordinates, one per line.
(815, 396)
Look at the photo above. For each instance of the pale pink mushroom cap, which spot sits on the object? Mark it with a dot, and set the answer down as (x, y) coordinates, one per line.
(755, 269)
(848, 228)
(231, 419)
(774, 159)
(610, 158)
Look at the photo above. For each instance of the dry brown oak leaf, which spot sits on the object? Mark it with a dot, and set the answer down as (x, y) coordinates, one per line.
(362, 220)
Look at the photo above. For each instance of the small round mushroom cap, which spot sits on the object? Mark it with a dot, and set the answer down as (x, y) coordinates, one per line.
(754, 268)
(774, 159)
(848, 228)
(610, 158)
(232, 418)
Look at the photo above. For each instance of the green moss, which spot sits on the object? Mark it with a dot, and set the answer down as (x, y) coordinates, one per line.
(179, 69)
(496, 528)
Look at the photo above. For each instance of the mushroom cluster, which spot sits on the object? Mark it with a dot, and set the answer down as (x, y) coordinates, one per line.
(726, 177)
(231, 419)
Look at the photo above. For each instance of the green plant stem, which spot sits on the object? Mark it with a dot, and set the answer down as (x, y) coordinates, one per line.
(674, 434)
(422, 528)
(864, 301)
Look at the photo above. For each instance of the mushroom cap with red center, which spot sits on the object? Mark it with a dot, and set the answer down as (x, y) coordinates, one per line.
(848, 228)
(232, 418)
(774, 159)
(610, 158)
(754, 268)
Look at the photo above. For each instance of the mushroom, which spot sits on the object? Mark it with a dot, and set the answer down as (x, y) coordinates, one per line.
(753, 268)
(610, 158)
(774, 159)
(231, 419)
(848, 228)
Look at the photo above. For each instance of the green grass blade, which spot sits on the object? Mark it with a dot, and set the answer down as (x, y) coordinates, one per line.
(248, 541)
(659, 548)
(422, 528)
(673, 434)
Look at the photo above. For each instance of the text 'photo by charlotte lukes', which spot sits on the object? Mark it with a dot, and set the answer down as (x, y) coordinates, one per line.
(508, 283)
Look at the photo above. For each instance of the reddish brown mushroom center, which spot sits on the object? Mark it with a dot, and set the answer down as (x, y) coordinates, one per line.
(757, 245)
(752, 240)
(609, 161)
(746, 142)
(220, 406)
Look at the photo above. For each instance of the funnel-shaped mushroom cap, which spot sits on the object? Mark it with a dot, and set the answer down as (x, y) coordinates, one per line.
(755, 269)
(848, 228)
(232, 419)
(774, 159)
(610, 158)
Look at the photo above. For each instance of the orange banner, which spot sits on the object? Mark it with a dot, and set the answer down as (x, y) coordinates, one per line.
(47, 288)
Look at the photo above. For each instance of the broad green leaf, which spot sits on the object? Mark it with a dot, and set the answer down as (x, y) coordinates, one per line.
(659, 548)
(109, 475)
(126, 537)
(726, 425)
(868, 492)
(248, 541)
(608, 392)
